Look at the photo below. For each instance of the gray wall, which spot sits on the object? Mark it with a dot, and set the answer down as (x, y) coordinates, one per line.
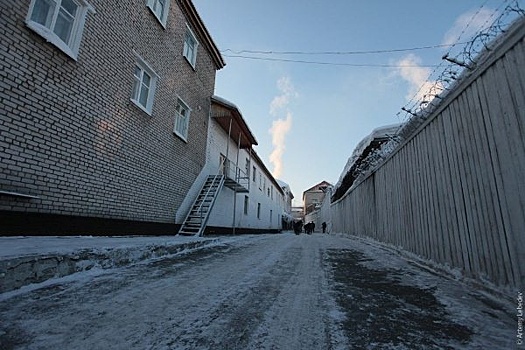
(71, 137)
(455, 192)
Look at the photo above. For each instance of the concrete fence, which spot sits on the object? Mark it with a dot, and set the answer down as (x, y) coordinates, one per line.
(455, 191)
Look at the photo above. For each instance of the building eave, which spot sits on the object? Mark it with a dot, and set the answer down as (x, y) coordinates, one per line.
(240, 132)
(198, 25)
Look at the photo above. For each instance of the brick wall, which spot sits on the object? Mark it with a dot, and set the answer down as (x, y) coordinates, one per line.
(69, 133)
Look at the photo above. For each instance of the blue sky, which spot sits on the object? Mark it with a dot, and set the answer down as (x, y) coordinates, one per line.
(308, 118)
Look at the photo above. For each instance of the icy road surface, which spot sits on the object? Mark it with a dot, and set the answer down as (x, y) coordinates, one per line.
(259, 292)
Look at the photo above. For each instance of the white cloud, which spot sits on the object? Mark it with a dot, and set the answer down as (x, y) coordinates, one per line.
(281, 127)
(467, 25)
(464, 28)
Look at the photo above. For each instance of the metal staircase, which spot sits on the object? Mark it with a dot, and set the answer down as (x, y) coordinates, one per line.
(195, 221)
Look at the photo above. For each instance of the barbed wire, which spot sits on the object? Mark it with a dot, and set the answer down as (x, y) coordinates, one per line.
(442, 80)
(414, 106)
(452, 68)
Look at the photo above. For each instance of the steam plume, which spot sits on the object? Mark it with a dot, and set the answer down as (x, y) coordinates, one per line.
(281, 126)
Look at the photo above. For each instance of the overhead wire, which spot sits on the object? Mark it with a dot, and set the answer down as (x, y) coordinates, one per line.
(362, 52)
(326, 63)
(242, 54)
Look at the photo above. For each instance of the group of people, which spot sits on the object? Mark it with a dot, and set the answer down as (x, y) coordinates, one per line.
(309, 228)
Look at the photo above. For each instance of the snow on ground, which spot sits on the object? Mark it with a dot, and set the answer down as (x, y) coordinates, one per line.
(32, 260)
(459, 307)
(256, 292)
(19, 246)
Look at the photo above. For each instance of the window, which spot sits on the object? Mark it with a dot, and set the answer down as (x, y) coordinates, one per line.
(160, 9)
(247, 168)
(258, 210)
(144, 86)
(190, 47)
(61, 22)
(254, 174)
(271, 216)
(182, 120)
(246, 202)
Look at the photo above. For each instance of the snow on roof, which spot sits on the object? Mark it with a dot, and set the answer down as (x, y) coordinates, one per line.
(285, 185)
(380, 133)
(226, 102)
(239, 116)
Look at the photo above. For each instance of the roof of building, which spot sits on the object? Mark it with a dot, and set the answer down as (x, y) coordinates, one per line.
(198, 25)
(322, 183)
(239, 132)
(359, 156)
(285, 185)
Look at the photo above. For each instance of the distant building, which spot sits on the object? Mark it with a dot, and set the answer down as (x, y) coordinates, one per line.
(298, 213)
(104, 113)
(314, 196)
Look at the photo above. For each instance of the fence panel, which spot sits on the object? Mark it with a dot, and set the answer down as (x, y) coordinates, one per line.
(454, 192)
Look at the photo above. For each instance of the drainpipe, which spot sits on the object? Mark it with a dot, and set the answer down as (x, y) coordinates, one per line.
(236, 180)
(237, 161)
(226, 162)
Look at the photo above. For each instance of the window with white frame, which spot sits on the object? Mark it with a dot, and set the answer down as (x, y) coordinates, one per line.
(144, 86)
(246, 203)
(61, 22)
(182, 120)
(190, 47)
(160, 9)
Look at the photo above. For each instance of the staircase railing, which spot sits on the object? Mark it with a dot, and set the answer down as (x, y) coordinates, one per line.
(207, 194)
(227, 167)
(215, 183)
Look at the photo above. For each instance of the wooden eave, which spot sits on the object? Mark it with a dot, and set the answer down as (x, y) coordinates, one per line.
(240, 133)
(198, 25)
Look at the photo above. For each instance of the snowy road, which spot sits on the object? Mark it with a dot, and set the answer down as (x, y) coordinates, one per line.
(258, 292)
